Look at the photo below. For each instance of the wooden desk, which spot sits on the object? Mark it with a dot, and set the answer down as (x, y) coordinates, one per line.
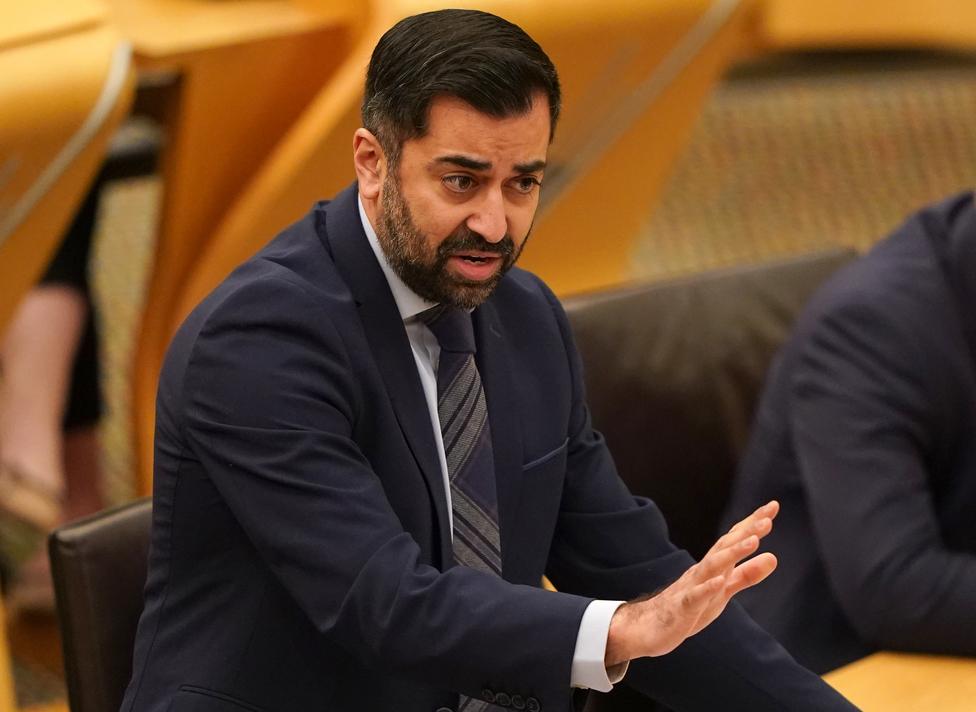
(167, 31)
(245, 71)
(899, 682)
(802, 24)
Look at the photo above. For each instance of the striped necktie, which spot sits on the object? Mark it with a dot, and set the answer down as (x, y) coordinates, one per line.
(463, 415)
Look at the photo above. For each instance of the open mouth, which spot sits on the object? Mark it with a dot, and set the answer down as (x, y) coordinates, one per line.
(476, 267)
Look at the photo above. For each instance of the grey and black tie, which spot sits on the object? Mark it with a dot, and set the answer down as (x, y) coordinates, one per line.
(463, 416)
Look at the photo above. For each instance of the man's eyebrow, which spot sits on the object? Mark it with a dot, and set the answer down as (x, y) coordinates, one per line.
(474, 164)
(464, 162)
(531, 167)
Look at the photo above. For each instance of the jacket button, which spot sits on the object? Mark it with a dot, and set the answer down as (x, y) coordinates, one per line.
(443, 709)
(487, 695)
(532, 705)
(518, 702)
(502, 699)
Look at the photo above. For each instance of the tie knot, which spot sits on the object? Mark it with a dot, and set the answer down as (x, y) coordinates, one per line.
(452, 327)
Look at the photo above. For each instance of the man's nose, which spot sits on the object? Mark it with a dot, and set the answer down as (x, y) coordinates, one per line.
(489, 219)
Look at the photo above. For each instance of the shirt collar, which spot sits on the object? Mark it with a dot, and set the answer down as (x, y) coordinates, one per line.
(408, 302)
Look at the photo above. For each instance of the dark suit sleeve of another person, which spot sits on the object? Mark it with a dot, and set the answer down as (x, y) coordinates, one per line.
(612, 545)
(273, 406)
(870, 396)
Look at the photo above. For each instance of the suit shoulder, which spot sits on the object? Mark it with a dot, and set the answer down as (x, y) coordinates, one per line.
(899, 275)
(291, 274)
(891, 308)
(290, 286)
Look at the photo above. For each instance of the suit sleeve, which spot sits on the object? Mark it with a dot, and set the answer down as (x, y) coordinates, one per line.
(271, 409)
(867, 408)
(610, 544)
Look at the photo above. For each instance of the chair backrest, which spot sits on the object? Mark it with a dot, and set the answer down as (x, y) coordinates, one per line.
(673, 372)
(99, 567)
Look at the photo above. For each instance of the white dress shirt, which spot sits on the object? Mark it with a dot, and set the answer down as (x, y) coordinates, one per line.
(588, 669)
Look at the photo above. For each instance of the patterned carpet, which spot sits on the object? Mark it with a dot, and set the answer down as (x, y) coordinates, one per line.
(123, 250)
(797, 153)
(790, 155)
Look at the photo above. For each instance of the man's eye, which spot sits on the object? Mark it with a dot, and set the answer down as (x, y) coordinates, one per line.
(459, 183)
(526, 184)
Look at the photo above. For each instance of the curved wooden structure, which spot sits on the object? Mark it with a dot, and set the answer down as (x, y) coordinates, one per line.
(65, 84)
(245, 72)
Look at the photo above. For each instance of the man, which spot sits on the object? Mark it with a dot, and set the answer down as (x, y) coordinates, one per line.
(372, 442)
(865, 434)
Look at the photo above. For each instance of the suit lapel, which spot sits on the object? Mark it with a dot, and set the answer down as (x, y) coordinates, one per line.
(389, 344)
(495, 366)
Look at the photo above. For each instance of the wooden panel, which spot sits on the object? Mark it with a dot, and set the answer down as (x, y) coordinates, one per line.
(49, 91)
(246, 71)
(900, 682)
(791, 24)
(166, 30)
(7, 699)
(29, 22)
(631, 102)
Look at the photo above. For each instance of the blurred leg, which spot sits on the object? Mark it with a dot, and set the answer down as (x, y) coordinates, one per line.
(36, 357)
(49, 407)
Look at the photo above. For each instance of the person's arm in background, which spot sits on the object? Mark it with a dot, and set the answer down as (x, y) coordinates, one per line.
(866, 403)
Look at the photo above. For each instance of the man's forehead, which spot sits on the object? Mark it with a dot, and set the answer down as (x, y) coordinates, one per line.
(459, 133)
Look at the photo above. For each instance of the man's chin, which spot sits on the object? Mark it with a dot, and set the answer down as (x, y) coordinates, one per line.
(466, 294)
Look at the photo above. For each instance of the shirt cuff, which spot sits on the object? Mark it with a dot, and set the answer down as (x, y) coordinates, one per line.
(589, 670)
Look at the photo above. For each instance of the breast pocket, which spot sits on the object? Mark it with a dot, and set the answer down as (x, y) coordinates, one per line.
(540, 493)
(558, 454)
(191, 698)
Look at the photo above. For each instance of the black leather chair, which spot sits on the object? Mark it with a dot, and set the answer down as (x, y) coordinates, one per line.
(673, 373)
(99, 569)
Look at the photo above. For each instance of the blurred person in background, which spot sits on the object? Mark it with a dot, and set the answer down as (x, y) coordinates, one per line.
(866, 434)
(50, 405)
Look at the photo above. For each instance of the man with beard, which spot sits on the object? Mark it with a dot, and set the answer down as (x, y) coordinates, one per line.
(372, 442)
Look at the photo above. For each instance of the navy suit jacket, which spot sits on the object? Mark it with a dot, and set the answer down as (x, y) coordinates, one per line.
(301, 555)
(866, 433)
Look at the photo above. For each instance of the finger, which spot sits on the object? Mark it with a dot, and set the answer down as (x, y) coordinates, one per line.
(722, 562)
(755, 528)
(748, 526)
(738, 530)
(766, 511)
(750, 572)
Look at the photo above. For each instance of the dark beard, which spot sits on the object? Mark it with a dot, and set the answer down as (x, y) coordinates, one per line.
(426, 274)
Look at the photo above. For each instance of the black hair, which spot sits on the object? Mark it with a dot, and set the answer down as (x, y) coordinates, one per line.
(480, 58)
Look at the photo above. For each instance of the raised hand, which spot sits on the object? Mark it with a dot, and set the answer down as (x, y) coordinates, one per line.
(657, 624)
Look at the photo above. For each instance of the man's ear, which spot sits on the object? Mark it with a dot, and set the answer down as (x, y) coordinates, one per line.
(370, 163)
